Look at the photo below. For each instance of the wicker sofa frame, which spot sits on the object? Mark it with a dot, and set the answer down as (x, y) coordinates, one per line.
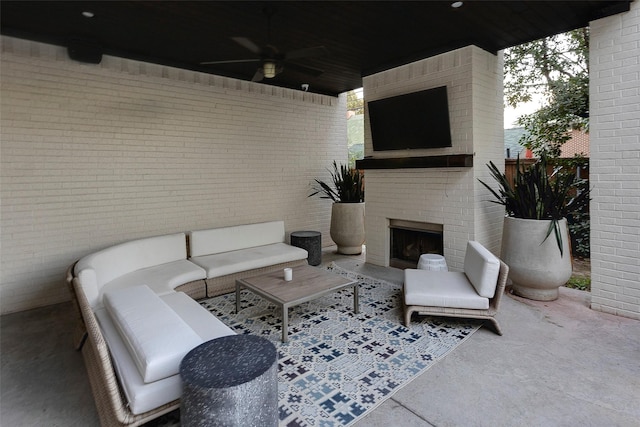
(110, 400)
(488, 314)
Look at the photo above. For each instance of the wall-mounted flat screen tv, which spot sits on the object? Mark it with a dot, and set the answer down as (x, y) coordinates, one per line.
(411, 121)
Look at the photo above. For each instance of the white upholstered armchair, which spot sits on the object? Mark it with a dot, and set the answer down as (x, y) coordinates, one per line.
(474, 293)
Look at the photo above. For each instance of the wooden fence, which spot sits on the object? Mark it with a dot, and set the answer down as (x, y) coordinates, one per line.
(510, 167)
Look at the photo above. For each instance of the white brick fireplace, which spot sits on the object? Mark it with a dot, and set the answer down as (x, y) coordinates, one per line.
(448, 196)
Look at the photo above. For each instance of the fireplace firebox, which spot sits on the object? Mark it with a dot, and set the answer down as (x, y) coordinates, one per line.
(410, 239)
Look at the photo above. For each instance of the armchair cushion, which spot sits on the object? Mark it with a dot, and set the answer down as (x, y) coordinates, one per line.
(481, 268)
(441, 289)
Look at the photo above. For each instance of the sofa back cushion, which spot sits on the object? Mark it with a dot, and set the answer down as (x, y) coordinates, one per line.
(156, 337)
(481, 268)
(101, 267)
(226, 239)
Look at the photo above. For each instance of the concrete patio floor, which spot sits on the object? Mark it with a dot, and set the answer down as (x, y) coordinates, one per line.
(557, 364)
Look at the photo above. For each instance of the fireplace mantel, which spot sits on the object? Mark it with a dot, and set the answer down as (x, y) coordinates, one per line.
(446, 161)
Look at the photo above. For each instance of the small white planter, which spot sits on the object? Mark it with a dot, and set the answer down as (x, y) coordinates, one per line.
(347, 227)
(536, 267)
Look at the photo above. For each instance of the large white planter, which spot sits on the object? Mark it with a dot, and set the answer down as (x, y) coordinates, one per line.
(536, 267)
(347, 227)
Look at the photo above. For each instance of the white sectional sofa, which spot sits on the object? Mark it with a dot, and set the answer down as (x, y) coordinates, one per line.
(137, 308)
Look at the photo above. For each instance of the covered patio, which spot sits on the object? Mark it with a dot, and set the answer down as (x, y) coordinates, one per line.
(153, 142)
(558, 364)
(150, 141)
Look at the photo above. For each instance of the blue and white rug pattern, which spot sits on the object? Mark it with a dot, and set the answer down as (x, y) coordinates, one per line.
(338, 365)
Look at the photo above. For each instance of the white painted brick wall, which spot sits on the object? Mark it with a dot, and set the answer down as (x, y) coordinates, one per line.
(615, 163)
(449, 196)
(93, 155)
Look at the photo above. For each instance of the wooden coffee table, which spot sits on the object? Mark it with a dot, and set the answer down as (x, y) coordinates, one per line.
(308, 284)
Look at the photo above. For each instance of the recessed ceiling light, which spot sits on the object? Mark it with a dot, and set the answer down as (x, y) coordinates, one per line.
(88, 14)
(457, 4)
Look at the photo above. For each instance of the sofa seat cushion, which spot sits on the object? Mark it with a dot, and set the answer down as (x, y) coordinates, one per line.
(155, 335)
(225, 263)
(161, 279)
(143, 396)
(482, 269)
(441, 289)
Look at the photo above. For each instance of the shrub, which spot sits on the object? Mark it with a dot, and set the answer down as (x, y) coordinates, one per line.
(348, 185)
(537, 194)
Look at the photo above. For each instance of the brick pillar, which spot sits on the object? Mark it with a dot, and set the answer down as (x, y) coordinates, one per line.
(615, 163)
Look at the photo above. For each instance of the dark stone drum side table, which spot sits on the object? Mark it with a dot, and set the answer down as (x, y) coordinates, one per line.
(311, 241)
(230, 381)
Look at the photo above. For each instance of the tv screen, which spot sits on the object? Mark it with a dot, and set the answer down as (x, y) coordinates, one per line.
(412, 121)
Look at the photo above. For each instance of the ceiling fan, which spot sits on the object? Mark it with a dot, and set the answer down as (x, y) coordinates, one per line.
(271, 61)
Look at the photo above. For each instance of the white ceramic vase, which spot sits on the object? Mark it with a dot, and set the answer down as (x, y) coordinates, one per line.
(536, 267)
(347, 227)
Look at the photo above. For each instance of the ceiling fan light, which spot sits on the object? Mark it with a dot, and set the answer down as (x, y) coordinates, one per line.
(269, 69)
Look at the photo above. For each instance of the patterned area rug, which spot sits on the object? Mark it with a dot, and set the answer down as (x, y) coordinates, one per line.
(338, 365)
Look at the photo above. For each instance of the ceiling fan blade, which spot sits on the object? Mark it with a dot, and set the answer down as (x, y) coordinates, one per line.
(315, 72)
(248, 44)
(230, 61)
(308, 52)
(258, 76)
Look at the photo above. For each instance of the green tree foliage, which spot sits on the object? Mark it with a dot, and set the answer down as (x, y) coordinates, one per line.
(354, 104)
(556, 68)
(355, 127)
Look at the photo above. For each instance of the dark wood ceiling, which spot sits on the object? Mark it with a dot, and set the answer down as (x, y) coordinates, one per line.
(360, 37)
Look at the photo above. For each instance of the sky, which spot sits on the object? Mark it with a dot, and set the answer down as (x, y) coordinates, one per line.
(511, 114)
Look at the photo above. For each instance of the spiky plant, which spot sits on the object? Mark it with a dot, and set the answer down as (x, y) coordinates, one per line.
(347, 185)
(536, 194)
